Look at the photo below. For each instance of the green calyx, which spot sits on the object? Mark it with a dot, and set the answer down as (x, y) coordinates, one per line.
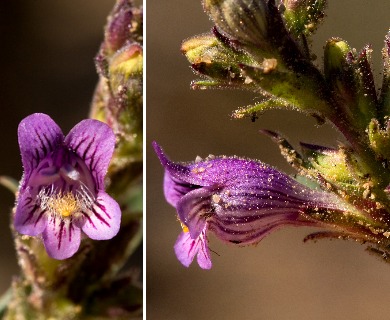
(333, 164)
(215, 60)
(298, 91)
(126, 63)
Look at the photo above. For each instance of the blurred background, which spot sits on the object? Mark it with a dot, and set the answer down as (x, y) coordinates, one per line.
(46, 62)
(281, 278)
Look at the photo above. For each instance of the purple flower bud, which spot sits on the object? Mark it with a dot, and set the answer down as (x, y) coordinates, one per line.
(62, 189)
(118, 27)
(239, 200)
(124, 25)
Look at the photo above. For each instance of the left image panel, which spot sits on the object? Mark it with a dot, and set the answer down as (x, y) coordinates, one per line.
(71, 186)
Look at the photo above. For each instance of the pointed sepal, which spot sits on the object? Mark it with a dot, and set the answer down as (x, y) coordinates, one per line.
(384, 102)
(367, 93)
(293, 157)
(268, 102)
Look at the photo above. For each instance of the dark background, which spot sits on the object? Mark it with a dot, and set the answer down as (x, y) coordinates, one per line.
(46, 65)
(281, 278)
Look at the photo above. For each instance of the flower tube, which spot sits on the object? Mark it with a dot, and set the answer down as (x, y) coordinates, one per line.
(239, 200)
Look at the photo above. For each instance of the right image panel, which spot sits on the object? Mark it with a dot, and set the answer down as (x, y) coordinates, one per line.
(267, 136)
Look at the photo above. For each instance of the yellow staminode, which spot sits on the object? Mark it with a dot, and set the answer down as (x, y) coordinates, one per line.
(63, 204)
(184, 227)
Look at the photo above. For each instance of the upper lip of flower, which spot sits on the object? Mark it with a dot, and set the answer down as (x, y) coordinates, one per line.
(62, 189)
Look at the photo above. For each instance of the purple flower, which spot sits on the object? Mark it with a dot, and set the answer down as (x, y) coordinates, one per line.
(62, 188)
(239, 200)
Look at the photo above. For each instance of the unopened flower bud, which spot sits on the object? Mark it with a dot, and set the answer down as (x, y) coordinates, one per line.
(293, 5)
(245, 21)
(122, 26)
(125, 64)
(351, 79)
(336, 51)
(303, 16)
(210, 57)
(339, 70)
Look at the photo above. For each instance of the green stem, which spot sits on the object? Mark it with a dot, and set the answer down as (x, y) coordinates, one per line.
(10, 183)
